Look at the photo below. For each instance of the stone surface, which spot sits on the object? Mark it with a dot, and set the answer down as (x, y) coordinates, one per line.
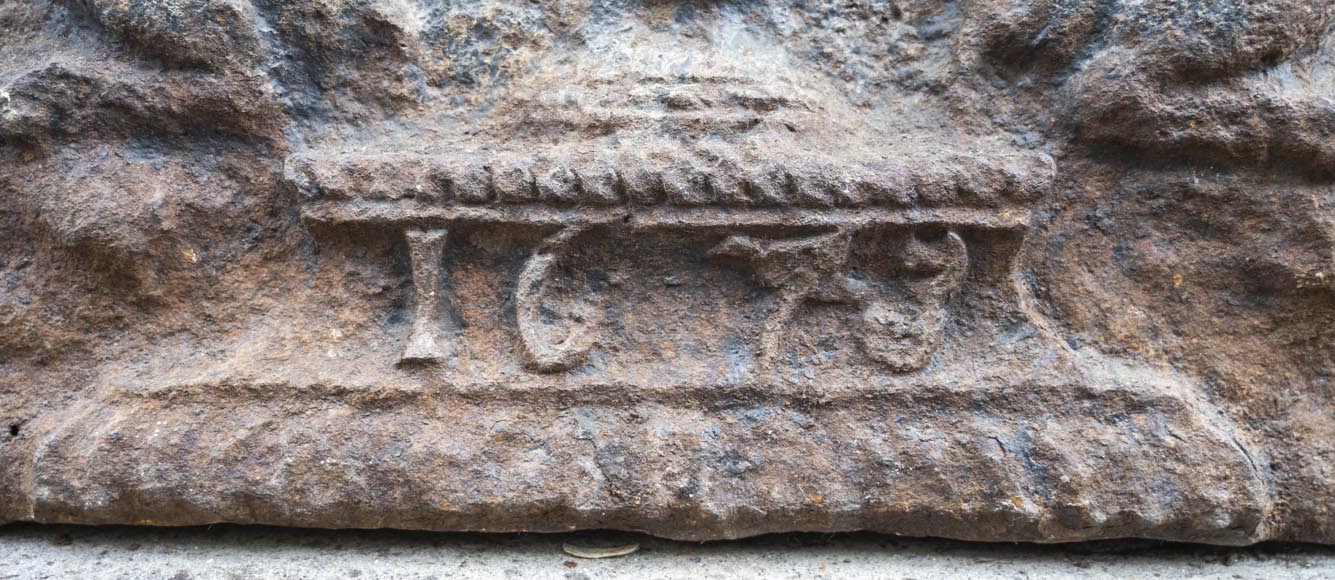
(222, 552)
(992, 270)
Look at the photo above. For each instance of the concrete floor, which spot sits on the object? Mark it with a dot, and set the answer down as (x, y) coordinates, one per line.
(236, 552)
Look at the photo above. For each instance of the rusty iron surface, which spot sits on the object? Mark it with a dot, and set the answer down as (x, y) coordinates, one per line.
(993, 270)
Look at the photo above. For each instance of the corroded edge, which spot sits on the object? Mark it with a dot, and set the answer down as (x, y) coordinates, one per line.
(1027, 462)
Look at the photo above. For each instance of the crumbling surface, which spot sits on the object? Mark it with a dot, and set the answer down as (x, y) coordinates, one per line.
(1043, 271)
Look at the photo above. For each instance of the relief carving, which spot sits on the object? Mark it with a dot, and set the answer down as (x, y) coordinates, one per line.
(425, 342)
(1000, 270)
(898, 333)
(543, 353)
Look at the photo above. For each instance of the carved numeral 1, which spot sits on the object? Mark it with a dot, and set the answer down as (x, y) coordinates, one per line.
(426, 342)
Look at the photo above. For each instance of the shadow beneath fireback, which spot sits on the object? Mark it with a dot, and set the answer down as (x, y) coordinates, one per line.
(243, 552)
